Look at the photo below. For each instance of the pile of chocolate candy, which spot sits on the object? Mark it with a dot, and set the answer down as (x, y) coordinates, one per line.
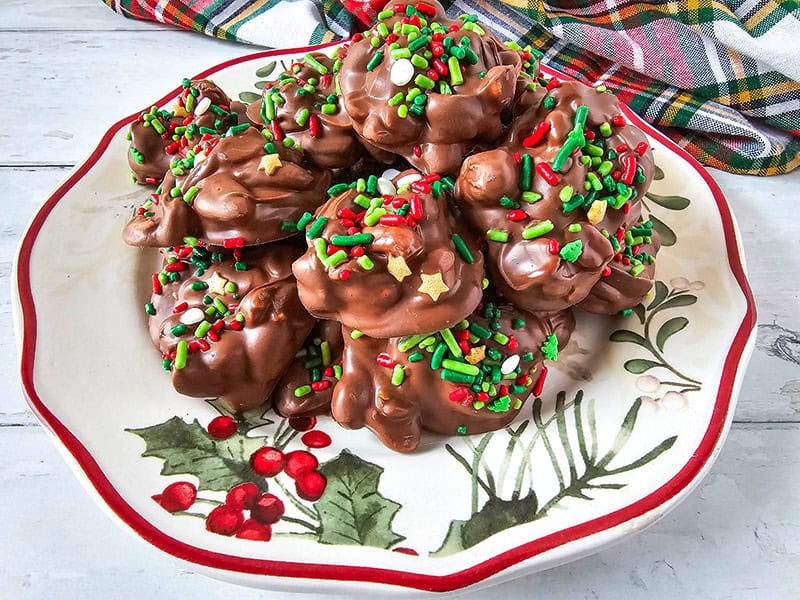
(396, 234)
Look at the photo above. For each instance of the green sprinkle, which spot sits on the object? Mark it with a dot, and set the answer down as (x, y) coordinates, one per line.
(385, 14)
(376, 59)
(456, 77)
(337, 257)
(565, 195)
(418, 43)
(398, 375)
(321, 248)
(181, 353)
(571, 252)
(304, 220)
(415, 357)
(337, 189)
(402, 111)
(636, 270)
(301, 118)
(574, 228)
(396, 99)
(531, 197)
(365, 262)
(450, 340)
(356, 334)
(500, 338)
(461, 248)
(525, 175)
(316, 229)
(150, 309)
(462, 429)
(605, 129)
(605, 168)
(538, 230)
(202, 329)
(480, 331)
(456, 377)
(460, 367)
(419, 62)
(407, 343)
(497, 235)
(550, 347)
(351, 240)
(438, 355)
(303, 390)
(178, 329)
(424, 81)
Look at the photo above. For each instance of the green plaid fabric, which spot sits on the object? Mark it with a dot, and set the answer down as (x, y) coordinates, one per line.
(718, 77)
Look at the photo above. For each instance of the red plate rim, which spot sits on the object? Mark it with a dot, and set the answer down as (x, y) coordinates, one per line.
(438, 583)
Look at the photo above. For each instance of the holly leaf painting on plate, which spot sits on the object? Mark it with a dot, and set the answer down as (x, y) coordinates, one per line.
(352, 511)
(187, 448)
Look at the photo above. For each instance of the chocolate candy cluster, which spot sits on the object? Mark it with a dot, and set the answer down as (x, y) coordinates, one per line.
(396, 234)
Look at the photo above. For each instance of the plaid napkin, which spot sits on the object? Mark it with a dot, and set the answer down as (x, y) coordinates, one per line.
(719, 77)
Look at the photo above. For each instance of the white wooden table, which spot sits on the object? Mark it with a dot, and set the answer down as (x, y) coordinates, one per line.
(71, 68)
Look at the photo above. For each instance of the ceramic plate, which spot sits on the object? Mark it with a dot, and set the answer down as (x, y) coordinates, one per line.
(633, 414)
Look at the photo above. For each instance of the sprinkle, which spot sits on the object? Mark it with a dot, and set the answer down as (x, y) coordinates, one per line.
(636, 270)
(641, 148)
(407, 343)
(398, 267)
(456, 377)
(531, 197)
(356, 334)
(402, 71)
(181, 353)
(477, 354)
(497, 235)
(438, 355)
(550, 347)
(549, 103)
(270, 163)
(376, 59)
(547, 173)
(462, 249)
(303, 390)
(539, 385)
(316, 229)
(365, 262)
(415, 357)
(460, 367)
(538, 134)
(398, 375)
(424, 81)
(432, 285)
(509, 364)
(456, 78)
(571, 252)
(450, 341)
(574, 227)
(192, 316)
(526, 175)
(605, 129)
(351, 240)
(216, 284)
(538, 230)
(150, 309)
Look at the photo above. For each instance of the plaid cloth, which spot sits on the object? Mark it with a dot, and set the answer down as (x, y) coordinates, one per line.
(719, 77)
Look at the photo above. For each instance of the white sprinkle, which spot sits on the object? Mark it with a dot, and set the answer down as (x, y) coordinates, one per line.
(386, 187)
(202, 106)
(402, 72)
(199, 157)
(408, 179)
(509, 364)
(192, 316)
(390, 173)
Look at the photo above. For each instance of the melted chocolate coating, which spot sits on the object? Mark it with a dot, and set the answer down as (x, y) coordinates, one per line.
(150, 155)
(397, 414)
(318, 401)
(327, 140)
(233, 198)
(452, 124)
(373, 299)
(528, 272)
(240, 366)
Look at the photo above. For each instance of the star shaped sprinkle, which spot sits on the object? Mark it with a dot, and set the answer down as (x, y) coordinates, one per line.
(476, 355)
(597, 211)
(179, 111)
(216, 284)
(398, 267)
(432, 285)
(270, 163)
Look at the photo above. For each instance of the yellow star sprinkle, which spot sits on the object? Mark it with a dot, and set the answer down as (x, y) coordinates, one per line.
(398, 267)
(432, 285)
(597, 211)
(476, 355)
(270, 163)
(179, 111)
(216, 284)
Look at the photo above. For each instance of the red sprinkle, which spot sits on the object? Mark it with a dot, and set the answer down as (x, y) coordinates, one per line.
(277, 132)
(175, 267)
(385, 360)
(236, 242)
(464, 346)
(553, 83)
(433, 74)
(204, 345)
(346, 213)
(440, 67)
(538, 134)
(328, 372)
(430, 178)
(629, 173)
(313, 126)
(606, 271)
(392, 37)
(213, 335)
(411, 221)
(417, 151)
(437, 37)
(513, 344)
(415, 208)
(357, 251)
(437, 50)
(622, 148)
(537, 389)
(156, 285)
(590, 135)
(425, 8)
(517, 157)
(458, 394)
(483, 396)
(547, 173)
(392, 220)
(618, 120)
(180, 307)
(325, 80)
(553, 247)
(516, 215)
(318, 386)
(626, 208)
(344, 275)
(641, 148)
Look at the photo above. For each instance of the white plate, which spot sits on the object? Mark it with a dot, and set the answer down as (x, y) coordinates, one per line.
(420, 522)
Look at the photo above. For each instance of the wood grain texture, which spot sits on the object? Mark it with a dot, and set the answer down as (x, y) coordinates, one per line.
(82, 68)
